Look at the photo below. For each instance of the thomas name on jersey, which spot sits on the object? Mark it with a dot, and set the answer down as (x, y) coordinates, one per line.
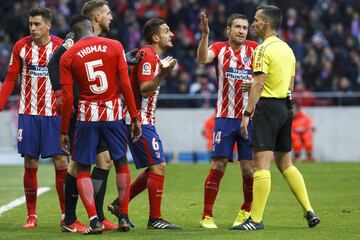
(95, 48)
(238, 74)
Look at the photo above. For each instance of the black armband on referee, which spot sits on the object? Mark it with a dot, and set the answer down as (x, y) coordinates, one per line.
(247, 114)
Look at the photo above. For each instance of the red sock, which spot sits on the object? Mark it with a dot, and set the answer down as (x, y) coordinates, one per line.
(59, 181)
(155, 190)
(123, 185)
(139, 185)
(211, 189)
(248, 190)
(30, 188)
(86, 192)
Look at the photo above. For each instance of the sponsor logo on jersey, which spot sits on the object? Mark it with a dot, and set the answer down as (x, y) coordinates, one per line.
(146, 69)
(38, 71)
(238, 74)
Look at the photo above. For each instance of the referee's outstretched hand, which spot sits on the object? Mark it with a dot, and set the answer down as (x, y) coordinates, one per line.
(244, 127)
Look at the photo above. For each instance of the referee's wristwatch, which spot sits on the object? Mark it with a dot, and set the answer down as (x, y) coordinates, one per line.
(247, 114)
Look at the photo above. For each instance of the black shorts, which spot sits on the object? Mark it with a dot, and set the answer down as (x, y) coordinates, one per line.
(102, 147)
(272, 125)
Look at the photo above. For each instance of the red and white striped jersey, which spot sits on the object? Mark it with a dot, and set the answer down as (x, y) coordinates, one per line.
(146, 70)
(95, 65)
(99, 111)
(30, 60)
(232, 68)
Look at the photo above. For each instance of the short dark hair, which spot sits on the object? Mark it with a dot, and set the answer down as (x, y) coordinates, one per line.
(91, 5)
(234, 16)
(45, 13)
(273, 13)
(77, 19)
(151, 28)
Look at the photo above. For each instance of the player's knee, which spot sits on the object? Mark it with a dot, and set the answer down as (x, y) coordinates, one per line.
(60, 162)
(30, 162)
(219, 164)
(72, 169)
(158, 168)
(247, 168)
(103, 160)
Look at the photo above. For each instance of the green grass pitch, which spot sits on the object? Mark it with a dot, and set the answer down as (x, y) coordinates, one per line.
(334, 190)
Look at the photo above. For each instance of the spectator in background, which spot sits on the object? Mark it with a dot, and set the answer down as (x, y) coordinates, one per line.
(308, 26)
(203, 87)
(302, 134)
(303, 96)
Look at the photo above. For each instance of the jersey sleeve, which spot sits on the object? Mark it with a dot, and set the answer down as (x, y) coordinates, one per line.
(147, 67)
(53, 67)
(15, 59)
(293, 70)
(216, 47)
(261, 60)
(125, 83)
(66, 81)
(65, 69)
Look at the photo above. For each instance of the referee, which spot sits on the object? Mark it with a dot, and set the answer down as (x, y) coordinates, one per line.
(274, 70)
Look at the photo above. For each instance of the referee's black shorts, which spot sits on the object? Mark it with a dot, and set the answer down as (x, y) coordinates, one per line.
(272, 125)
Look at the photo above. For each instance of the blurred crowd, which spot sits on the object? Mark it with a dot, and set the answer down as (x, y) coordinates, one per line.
(324, 34)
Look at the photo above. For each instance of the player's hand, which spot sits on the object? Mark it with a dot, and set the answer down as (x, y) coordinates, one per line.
(69, 40)
(135, 129)
(244, 127)
(133, 57)
(65, 143)
(167, 64)
(59, 101)
(204, 23)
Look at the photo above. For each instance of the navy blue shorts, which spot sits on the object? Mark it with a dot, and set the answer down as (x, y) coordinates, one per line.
(226, 134)
(148, 150)
(100, 148)
(89, 134)
(39, 135)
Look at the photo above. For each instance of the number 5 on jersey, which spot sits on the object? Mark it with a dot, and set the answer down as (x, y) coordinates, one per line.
(98, 74)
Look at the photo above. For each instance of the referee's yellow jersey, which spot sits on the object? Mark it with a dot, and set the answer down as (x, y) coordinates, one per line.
(276, 59)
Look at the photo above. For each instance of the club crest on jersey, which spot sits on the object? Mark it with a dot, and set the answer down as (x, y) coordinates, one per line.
(246, 60)
(146, 69)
